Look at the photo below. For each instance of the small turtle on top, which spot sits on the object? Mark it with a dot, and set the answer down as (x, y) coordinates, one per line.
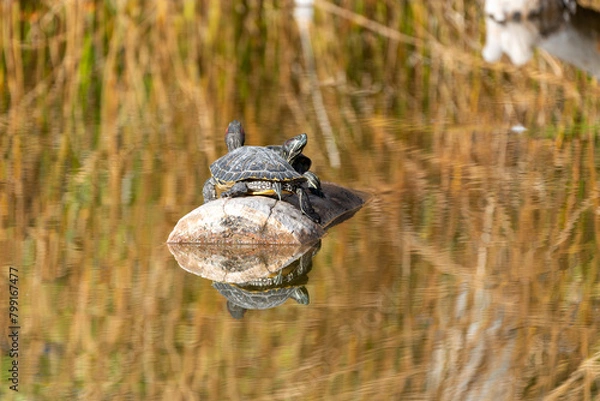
(254, 170)
(291, 150)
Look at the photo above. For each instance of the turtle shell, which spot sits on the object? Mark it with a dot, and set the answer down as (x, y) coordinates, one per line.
(260, 298)
(253, 163)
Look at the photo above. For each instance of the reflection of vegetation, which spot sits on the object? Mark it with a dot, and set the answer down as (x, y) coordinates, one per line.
(104, 106)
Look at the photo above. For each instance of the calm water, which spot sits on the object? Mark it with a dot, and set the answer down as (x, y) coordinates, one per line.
(447, 283)
(472, 273)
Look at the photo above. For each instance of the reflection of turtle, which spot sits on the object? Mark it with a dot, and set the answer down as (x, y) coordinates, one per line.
(265, 292)
(254, 170)
(291, 150)
(240, 299)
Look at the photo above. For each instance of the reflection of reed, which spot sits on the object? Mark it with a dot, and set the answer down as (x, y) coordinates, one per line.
(304, 22)
(110, 117)
(508, 306)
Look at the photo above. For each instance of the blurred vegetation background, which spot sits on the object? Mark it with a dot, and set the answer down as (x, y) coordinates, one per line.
(475, 265)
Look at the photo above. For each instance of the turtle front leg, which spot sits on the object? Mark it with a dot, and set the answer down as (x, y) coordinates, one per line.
(278, 188)
(238, 189)
(314, 184)
(209, 191)
(306, 206)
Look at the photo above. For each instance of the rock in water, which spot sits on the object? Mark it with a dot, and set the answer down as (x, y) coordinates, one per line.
(264, 220)
(246, 220)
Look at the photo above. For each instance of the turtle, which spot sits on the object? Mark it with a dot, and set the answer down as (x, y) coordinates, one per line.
(240, 299)
(254, 170)
(291, 150)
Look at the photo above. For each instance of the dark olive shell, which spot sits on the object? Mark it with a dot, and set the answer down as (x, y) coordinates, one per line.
(253, 163)
(259, 298)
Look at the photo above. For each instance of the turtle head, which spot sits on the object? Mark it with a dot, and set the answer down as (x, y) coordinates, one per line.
(236, 311)
(235, 136)
(294, 146)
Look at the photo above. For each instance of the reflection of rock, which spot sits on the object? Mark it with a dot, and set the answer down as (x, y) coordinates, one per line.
(256, 264)
(264, 220)
(561, 27)
(251, 277)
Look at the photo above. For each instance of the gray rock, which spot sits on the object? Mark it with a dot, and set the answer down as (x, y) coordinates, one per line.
(265, 220)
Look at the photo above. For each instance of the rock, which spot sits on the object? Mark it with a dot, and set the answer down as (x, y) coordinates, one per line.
(247, 220)
(265, 220)
(338, 205)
